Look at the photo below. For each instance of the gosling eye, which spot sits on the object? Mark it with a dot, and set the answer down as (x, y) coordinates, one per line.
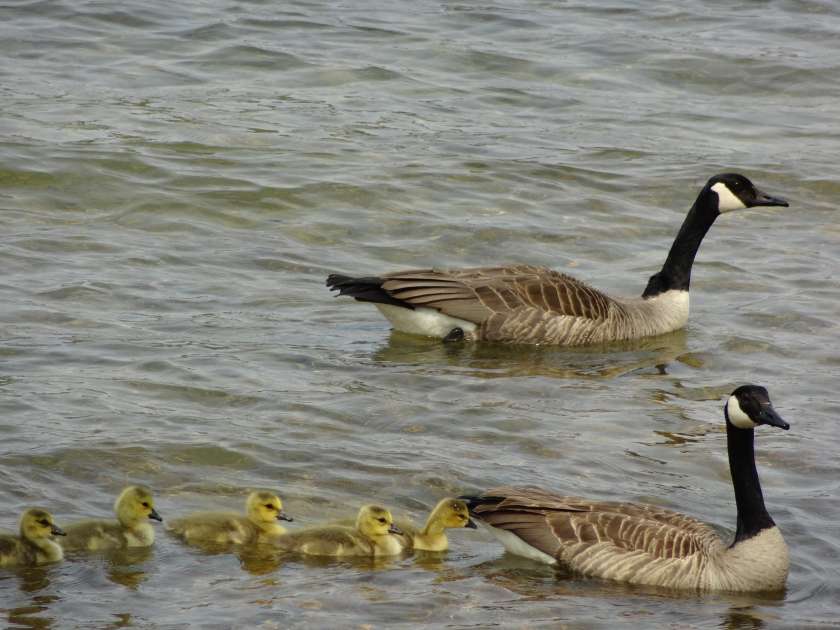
(145, 504)
(269, 506)
(382, 520)
(44, 523)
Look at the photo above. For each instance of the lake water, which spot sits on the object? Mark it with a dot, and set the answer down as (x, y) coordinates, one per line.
(177, 180)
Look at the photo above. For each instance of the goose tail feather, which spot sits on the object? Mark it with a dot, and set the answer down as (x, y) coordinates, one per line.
(367, 289)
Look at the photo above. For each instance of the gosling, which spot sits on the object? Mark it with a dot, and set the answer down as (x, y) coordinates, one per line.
(258, 525)
(35, 544)
(134, 507)
(373, 535)
(447, 514)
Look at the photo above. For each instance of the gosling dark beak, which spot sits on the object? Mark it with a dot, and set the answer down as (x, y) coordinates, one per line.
(393, 529)
(155, 516)
(55, 530)
(471, 524)
(763, 199)
(768, 415)
(283, 517)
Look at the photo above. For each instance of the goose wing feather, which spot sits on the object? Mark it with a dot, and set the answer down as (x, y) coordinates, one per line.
(93, 534)
(479, 293)
(553, 523)
(330, 540)
(11, 549)
(214, 526)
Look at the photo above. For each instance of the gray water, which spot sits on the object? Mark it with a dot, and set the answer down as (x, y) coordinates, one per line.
(177, 179)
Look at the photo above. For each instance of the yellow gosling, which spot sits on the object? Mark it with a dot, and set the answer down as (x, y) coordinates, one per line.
(134, 507)
(373, 535)
(448, 514)
(35, 544)
(258, 524)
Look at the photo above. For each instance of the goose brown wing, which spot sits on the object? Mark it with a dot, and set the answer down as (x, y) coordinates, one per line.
(551, 522)
(477, 294)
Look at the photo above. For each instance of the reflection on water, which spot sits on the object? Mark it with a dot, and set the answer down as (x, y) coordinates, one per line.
(496, 360)
(540, 582)
(28, 616)
(680, 439)
(126, 566)
(354, 563)
(33, 579)
(742, 619)
(30, 581)
(259, 559)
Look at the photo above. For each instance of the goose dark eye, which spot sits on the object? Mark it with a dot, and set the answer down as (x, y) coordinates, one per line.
(44, 523)
(145, 504)
(269, 506)
(382, 520)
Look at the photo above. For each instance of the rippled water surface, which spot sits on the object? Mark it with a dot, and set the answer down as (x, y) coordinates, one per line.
(177, 179)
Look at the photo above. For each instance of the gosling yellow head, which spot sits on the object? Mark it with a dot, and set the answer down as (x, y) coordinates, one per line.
(265, 507)
(452, 513)
(374, 520)
(37, 524)
(135, 505)
(447, 514)
(35, 544)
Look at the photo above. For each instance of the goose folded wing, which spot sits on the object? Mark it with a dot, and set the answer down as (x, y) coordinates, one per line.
(8, 545)
(628, 534)
(476, 294)
(551, 522)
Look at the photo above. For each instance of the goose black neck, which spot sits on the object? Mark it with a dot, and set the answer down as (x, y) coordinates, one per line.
(676, 271)
(752, 515)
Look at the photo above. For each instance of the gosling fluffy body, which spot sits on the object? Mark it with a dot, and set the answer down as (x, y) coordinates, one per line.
(34, 545)
(258, 524)
(133, 508)
(374, 534)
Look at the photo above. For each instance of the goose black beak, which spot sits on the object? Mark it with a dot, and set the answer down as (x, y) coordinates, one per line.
(471, 524)
(763, 199)
(768, 415)
(55, 530)
(393, 529)
(283, 517)
(155, 516)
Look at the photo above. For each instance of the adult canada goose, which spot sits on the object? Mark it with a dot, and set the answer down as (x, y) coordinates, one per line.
(528, 304)
(35, 544)
(373, 535)
(134, 507)
(646, 544)
(448, 514)
(258, 524)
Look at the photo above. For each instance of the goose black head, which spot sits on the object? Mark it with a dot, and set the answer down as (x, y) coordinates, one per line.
(749, 406)
(736, 192)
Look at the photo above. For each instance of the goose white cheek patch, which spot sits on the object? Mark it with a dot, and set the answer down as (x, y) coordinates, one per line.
(737, 416)
(727, 200)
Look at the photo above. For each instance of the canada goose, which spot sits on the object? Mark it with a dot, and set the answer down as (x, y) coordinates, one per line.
(35, 544)
(447, 514)
(646, 544)
(528, 304)
(134, 507)
(373, 535)
(258, 524)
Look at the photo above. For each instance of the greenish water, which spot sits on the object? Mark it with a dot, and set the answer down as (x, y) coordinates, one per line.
(177, 180)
